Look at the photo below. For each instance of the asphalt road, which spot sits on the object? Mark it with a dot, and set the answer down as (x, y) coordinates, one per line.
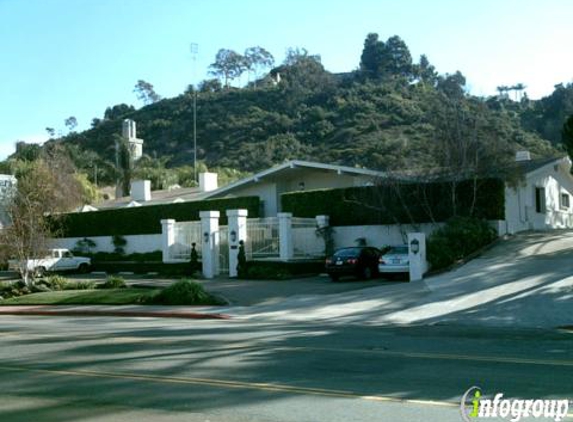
(104, 369)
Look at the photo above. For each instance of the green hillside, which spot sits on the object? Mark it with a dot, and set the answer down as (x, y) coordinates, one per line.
(388, 114)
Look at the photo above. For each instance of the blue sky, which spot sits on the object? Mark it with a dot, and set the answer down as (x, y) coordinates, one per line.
(60, 58)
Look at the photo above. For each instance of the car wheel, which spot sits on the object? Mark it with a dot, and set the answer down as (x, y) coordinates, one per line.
(84, 268)
(367, 273)
(334, 277)
(39, 271)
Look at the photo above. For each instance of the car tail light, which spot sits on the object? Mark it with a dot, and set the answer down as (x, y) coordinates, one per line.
(352, 261)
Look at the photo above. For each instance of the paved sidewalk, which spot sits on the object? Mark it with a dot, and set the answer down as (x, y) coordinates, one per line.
(188, 312)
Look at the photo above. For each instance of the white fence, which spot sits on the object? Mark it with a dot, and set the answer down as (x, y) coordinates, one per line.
(379, 235)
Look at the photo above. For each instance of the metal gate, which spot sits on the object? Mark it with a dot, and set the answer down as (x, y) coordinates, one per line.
(223, 249)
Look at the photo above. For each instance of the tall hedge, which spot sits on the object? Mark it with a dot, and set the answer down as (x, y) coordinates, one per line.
(146, 219)
(404, 203)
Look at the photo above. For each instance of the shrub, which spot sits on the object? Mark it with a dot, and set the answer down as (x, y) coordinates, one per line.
(185, 292)
(460, 237)
(82, 285)
(113, 282)
(119, 243)
(279, 270)
(55, 282)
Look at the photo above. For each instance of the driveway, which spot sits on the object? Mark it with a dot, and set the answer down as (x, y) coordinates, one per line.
(524, 281)
(258, 292)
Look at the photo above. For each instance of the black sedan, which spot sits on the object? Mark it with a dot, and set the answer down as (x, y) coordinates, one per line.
(359, 261)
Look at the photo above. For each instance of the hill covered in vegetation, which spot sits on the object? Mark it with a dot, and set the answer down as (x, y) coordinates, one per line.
(388, 114)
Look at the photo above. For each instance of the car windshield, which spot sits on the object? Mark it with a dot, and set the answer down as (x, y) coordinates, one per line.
(398, 250)
(348, 252)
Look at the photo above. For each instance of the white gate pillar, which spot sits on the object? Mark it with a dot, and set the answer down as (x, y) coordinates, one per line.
(237, 223)
(417, 255)
(210, 239)
(167, 238)
(286, 246)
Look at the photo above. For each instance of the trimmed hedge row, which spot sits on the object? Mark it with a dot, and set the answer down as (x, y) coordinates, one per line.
(405, 203)
(146, 219)
(279, 270)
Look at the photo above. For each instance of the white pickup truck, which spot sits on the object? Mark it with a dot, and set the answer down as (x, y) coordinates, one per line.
(57, 260)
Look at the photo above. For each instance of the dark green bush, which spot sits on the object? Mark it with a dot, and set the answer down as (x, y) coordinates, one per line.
(279, 270)
(457, 239)
(113, 282)
(155, 256)
(146, 219)
(185, 292)
(406, 203)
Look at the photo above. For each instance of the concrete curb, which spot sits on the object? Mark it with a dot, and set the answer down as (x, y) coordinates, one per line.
(35, 311)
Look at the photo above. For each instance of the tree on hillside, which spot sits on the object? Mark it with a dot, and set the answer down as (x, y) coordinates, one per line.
(51, 132)
(425, 72)
(124, 164)
(452, 85)
(373, 56)
(71, 123)
(258, 59)
(567, 137)
(210, 85)
(145, 92)
(46, 187)
(118, 111)
(399, 59)
(228, 65)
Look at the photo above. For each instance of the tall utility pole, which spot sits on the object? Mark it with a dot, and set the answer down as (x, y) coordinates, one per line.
(194, 50)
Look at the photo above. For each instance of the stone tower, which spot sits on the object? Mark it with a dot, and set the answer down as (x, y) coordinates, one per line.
(135, 145)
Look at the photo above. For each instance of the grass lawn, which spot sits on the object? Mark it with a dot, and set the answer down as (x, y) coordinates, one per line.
(129, 296)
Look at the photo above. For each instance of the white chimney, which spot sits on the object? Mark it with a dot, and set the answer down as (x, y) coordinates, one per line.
(522, 156)
(141, 190)
(207, 182)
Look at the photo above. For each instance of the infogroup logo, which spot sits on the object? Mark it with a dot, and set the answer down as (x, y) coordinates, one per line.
(475, 406)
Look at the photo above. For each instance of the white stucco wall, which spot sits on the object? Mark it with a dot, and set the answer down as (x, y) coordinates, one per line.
(135, 243)
(520, 210)
(379, 235)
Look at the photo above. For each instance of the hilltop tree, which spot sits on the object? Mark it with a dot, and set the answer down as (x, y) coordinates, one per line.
(399, 60)
(257, 59)
(145, 92)
(71, 123)
(118, 111)
(373, 56)
(51, 132)
(425, 72)
(210, 85)
(228, 65)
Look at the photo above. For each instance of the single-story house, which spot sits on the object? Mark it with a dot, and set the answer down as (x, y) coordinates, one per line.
(268, 185)
(542, 200)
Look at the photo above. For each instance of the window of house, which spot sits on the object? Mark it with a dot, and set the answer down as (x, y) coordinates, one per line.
(564, 200)
(540, 200)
